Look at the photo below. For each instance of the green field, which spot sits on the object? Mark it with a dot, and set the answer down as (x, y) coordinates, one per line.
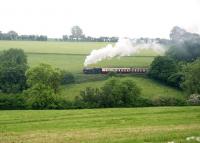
(125, 125)
(52, 47)
(149, 88)
(71, 55)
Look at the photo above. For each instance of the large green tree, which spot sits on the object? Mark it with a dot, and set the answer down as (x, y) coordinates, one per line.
(13, 65)
(46, 75)
(162, 68)
(192, 78)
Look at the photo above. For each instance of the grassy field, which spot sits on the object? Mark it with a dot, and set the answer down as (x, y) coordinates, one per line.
(74, 63)
(52, 47)
(149, 88)
(71, 55)
(125, 125)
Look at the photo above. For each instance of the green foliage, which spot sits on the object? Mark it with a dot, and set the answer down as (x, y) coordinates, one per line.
(46, 75)
(114, 93)
(168, 101)
(165, 69)
(13, 65)
(12, 101)
(67, 78)
(118, 93)
(192, 78)
(15, 56)
(112, 74)
(176, 79)
(40, 96)
(91, 98)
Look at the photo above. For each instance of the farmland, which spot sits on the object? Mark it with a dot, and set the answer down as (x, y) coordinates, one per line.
(71, 55)
(150, 88)
(127, 125)
(153, 124)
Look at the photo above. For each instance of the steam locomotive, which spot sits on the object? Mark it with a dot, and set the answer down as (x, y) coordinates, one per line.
(116, 70)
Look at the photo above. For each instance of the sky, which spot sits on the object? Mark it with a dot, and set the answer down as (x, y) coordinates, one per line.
(121, 18)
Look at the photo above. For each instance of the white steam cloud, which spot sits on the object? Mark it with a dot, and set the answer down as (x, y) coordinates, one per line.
(124, 47)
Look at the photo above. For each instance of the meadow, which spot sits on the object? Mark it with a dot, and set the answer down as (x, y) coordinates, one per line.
(149, 88)
(71, 55)
(124, 125)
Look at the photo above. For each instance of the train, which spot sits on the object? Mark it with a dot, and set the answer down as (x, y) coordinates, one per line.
(95, 70)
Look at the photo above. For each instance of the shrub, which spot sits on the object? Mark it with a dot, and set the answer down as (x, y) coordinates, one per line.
(41, 96)
(114, 93)
(194, 99)
(112, 74)
(168, 101)
(67, 78)
(12, 101)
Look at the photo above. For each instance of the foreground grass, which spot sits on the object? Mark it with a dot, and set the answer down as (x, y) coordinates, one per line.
(149, 88)
(100, 125)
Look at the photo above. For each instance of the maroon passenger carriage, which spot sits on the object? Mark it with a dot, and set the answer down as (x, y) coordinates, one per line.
(137, 70)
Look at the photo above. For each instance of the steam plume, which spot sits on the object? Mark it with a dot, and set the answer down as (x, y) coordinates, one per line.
(124, 47)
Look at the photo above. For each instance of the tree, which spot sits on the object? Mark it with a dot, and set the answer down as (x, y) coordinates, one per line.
(12, 35)
(118, 93)
(65, 37)
(162, 68)
(114, 93)
(192, 78)
(77, 32)
(13, 65)
(40, 96)
(46, 75)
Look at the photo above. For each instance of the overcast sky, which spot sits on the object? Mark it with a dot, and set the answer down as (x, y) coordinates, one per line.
(122, 18)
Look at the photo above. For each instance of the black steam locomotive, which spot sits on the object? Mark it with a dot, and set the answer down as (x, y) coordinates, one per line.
(116, 70)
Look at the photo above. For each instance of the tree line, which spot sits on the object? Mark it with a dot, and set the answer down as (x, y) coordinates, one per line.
(76, 35)
(12, 35)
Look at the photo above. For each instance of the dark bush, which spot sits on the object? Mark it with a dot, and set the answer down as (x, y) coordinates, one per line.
(67, 78)
(13, 65)
(12, 101)
(112, 74)
(162, 68)
(114, 93)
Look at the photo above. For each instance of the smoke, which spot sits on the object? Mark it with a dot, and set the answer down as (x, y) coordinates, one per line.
(124, 47)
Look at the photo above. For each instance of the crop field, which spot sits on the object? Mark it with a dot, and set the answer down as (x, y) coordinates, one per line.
(71, 55)
(149, 88)
(125, 125)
